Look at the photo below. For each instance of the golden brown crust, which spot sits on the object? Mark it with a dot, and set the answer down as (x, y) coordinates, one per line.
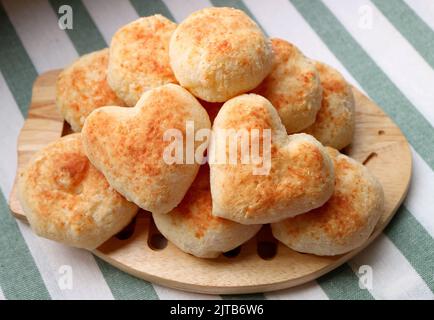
(82, 87)
(293, 86)
(193, 228)
(218, 53)
(301, 176)
(127, 145)
(345, 221)
(66, 199)
(335, 121)
(139, 57)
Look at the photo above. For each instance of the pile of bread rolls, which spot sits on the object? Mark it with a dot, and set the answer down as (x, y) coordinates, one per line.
(217, 70)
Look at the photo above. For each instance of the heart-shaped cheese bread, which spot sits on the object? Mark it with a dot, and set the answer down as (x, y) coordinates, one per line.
(128, 146)
(300, 175)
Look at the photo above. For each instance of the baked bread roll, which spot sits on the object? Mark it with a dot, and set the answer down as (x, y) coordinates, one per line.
(139, 57)
(300, 172)
(345, 222)
(68, 200)
(335, 120)
(192, 227)
(218, 53)
(82, 87)
(128, 146)
(293, 87)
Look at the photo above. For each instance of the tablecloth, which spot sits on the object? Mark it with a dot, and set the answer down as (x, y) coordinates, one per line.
(383, 47)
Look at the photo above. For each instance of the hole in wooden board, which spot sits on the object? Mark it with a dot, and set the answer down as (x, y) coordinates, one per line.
(266, 244)
(381, 132)
(267, 250)
(369, 157)
(66, 129)
(347, 150)
(232, 253)
(156, 241)
(128, 231)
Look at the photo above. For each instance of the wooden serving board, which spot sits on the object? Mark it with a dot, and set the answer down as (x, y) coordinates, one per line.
(260, 265)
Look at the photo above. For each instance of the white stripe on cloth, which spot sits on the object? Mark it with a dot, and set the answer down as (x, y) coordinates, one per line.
(51, 258)
(11, 122)
(181, 9)
(110, 15)
(424, 9)
(37, 26)
(308, 291)
(308, 41)
(390, 51)
(88, 282)
(2, 296)
(283, 21)
(420, 198)
(398, 282)
(172, 294)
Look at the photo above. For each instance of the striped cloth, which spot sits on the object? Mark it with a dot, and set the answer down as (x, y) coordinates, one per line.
(383, 47)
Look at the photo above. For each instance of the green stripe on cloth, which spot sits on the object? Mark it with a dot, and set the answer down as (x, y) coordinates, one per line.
(236, 4)
(254, 296)
(19, 276)
(343, 284)
(124, 286)
(150, 7)
(84, 34)
(15, 63)
(410, 25)
(414, 242)
(374, 81)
